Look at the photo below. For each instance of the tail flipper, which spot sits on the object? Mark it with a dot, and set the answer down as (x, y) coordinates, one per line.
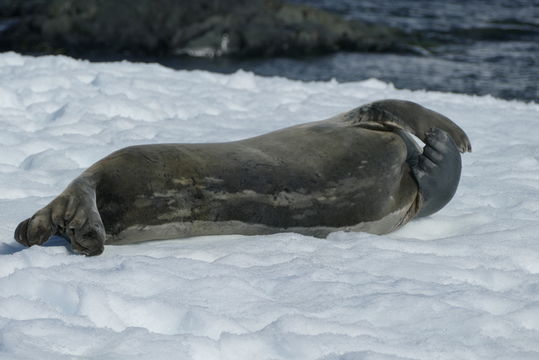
(72, 215)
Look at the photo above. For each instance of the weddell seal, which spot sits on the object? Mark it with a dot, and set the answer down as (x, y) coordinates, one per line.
(357, 171)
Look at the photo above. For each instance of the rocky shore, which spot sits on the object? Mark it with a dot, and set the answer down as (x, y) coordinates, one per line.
(202, 28)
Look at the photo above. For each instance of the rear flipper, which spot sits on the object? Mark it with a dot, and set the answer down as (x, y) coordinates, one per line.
(437, 171)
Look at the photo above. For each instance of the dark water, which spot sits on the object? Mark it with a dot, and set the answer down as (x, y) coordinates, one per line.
(479, 47)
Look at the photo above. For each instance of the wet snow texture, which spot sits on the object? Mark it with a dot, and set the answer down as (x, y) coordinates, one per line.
(461, 284)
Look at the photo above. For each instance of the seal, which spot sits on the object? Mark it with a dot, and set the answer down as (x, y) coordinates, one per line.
(357, 171)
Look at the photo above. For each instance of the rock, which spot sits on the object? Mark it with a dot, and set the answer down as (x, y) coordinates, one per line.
(197, 28)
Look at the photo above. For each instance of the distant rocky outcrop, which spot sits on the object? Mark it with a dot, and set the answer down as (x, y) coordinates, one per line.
(174, 27)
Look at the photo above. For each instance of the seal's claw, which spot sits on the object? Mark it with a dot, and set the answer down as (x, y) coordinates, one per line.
(437, 171)
(432, 154)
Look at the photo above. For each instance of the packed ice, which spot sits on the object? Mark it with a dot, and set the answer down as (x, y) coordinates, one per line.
(460, 284)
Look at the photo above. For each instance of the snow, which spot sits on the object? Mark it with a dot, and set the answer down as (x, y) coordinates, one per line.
(461, 284)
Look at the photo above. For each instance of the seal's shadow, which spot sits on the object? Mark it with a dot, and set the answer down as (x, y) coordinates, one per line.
(10, 248)
(13, 247)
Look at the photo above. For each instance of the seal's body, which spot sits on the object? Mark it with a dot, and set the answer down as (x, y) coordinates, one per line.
(311, 179)
(357, 171)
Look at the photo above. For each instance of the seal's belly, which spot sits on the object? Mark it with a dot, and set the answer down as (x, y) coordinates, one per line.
(185, 229)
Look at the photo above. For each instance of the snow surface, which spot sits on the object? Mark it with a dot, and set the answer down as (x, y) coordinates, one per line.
(461, 284)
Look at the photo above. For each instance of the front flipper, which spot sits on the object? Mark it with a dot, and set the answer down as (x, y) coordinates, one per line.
(437, 171)
(72, 215)
(409, 116)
